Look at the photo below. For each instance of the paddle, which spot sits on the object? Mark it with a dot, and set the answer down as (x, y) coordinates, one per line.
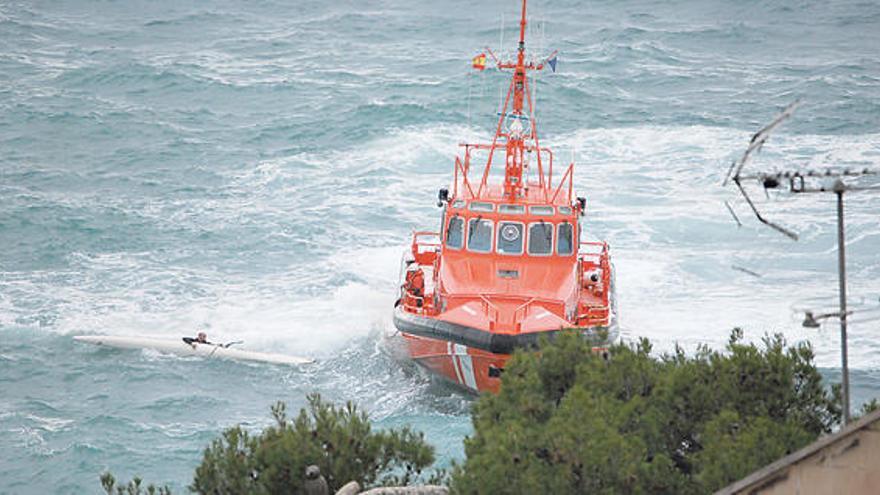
(225, 346)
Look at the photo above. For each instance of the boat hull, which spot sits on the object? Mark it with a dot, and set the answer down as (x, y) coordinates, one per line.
(180, 348)
(495, 343)
(473, 369)
(466, 356)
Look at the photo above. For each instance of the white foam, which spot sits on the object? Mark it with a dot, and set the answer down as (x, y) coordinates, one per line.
(268, 313)
(653, 192)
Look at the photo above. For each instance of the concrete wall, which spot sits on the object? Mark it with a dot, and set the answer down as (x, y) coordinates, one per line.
(845, 463)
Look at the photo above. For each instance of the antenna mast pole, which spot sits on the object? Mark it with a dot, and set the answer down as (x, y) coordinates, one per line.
(511, 133)
(839, 188)
(513, 170)
(797, 185)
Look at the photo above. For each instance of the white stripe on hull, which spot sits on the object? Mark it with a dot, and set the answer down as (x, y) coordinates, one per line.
(467, 366)
(451, 352)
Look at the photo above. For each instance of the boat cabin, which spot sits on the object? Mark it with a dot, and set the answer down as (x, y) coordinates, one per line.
(485, 227)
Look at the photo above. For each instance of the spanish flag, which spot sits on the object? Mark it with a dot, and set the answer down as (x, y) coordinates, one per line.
(479, 61)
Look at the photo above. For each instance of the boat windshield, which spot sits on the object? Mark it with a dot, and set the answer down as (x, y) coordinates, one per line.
(512, 209)
(541, 210)
(484, 207)
(541, 238)
(480, 235)
(564, 237)
(510, 238)
(455, 232)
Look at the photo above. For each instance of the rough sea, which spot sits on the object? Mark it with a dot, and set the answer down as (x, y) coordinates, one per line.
(255, 169)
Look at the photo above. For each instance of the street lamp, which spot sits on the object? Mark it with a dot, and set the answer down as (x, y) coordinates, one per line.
(812, 321)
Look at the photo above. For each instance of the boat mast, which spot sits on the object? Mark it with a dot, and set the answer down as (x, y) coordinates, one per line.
(513, 170)
(520, 135)
(521, 126)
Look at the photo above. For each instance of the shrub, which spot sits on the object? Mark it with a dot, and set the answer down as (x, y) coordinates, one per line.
(133, 487)
(339, 440)
(568, 421)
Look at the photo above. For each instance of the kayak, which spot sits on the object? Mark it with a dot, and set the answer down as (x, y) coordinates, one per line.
(181, 348)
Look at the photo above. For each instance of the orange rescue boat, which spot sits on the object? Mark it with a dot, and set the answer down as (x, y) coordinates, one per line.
(509, 266)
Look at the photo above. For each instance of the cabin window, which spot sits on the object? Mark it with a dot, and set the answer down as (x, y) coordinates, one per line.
(544, 211)
(564, 237)
(541, 238)
(455, 232)
(480, 235)
(510, 238)
(565, 210)
(458, 204)
(484, 207)
(512, 209)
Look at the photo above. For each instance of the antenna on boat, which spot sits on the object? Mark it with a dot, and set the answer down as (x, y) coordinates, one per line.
(516, 132)
(501, 52)
(511, 129)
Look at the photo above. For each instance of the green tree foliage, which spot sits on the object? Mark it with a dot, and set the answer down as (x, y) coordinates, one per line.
(133, 487)
(869, 407)
(569, 421)
(339, 440)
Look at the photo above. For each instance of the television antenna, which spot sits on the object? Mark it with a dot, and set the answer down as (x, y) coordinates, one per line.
(799, 182)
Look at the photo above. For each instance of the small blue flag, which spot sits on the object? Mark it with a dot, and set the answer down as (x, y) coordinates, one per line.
(552, 63)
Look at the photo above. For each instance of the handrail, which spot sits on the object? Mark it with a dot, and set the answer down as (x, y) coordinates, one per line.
(601, 253)
(493, 319)
(424, 252)
(477, 295)
(490, 304)
(424, 233)
(569, 173)
(602, 257)
(545, 180)
(417, 241)
(460, 165)
(415, 308)
(524, 304)
(522, 307)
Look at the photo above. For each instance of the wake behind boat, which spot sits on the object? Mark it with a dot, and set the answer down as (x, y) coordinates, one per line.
(181, 348)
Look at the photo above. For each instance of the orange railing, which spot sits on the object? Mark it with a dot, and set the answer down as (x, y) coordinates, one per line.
(425, 252)
(489, 308)
(590, 261)
(461, 182)
(569, 174)
(494, 312)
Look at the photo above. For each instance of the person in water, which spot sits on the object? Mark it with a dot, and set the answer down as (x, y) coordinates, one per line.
(201, 338)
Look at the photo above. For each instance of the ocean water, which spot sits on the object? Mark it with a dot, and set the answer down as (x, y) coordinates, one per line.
(254, 168)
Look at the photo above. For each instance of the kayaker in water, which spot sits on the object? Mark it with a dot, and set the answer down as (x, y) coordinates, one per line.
(201, 338)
